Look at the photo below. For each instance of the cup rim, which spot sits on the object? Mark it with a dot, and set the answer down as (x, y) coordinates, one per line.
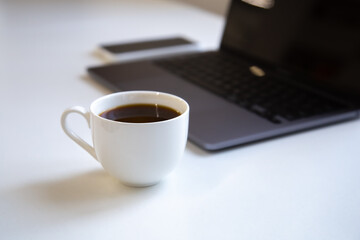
(187, 109)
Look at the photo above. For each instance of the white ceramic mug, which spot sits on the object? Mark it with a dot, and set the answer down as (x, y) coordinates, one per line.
(138, 154)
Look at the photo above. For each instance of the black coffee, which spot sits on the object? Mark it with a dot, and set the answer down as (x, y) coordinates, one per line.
(140, 113)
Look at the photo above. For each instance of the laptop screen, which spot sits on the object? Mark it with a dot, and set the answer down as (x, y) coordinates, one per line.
(316, 41)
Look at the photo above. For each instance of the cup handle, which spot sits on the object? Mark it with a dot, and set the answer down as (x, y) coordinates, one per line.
(83, 112)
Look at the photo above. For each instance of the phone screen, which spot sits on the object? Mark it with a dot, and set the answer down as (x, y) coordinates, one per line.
(145, 45)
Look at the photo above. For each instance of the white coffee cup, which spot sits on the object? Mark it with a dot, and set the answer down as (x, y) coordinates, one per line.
(138, 154)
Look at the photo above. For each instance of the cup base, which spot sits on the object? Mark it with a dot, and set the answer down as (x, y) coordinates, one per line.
(140, 185)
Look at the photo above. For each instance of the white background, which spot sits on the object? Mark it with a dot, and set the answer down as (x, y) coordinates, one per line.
(303, 186)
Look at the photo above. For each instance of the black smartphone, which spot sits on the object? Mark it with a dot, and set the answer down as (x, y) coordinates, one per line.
(141, 49)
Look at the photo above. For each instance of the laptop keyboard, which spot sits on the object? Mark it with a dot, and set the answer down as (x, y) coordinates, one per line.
(231, 78)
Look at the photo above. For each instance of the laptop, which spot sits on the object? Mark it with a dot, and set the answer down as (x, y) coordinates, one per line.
(283, 66)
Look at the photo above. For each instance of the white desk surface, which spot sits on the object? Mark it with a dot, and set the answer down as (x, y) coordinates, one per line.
(303, 186)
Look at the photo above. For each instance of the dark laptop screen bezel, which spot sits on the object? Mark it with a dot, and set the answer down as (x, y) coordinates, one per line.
(314, 42)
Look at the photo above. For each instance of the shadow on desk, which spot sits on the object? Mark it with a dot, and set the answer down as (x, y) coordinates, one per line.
(78, 196)
(91, 188)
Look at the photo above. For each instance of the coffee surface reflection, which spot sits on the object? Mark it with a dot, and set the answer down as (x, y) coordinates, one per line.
(140, 113)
